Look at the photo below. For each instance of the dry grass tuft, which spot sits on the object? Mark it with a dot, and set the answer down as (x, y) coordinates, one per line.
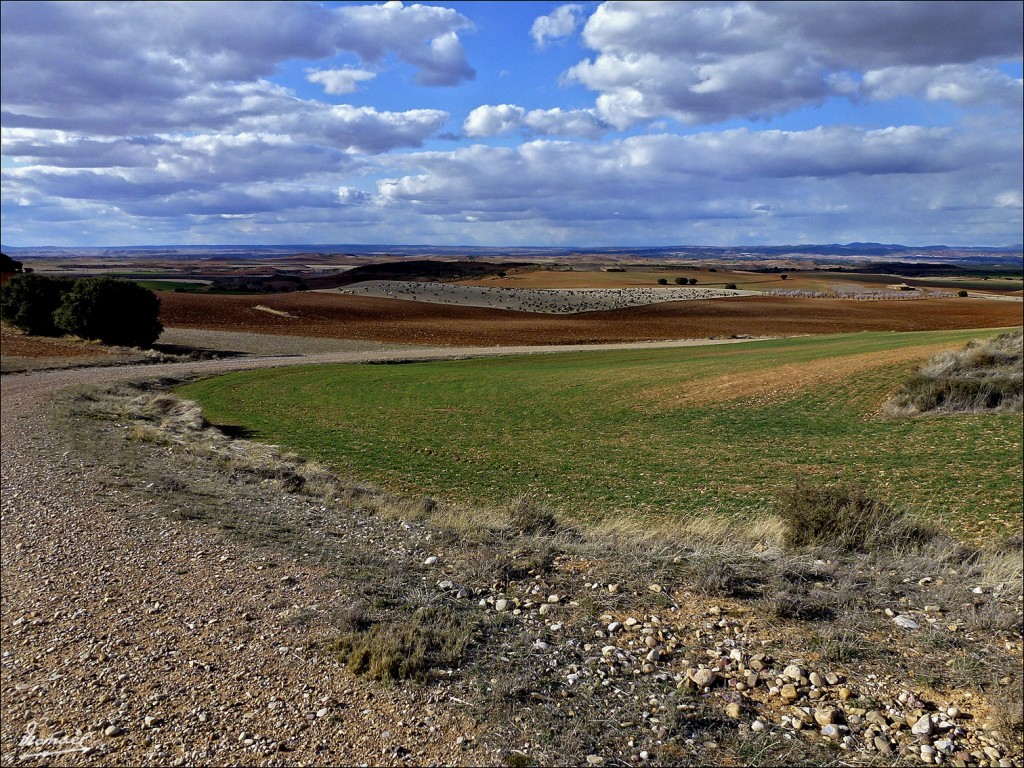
(847, 518)
(983, 376)
(436, 637)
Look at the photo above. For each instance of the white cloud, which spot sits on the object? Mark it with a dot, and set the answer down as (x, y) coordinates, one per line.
(338, 82)
(495, 120)
(141, 67)
(425, 36)
(961, 84)
(561, 22)
(709, 62)
(660, 188)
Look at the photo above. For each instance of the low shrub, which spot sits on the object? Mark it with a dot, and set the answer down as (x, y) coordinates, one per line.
(847, 518)
(983, 376)
(730, 286)
(662, 281)
(680, 281)
(530, 517)
(436, 637)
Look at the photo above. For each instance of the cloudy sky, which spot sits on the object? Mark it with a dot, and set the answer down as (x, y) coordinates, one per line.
(506, 123)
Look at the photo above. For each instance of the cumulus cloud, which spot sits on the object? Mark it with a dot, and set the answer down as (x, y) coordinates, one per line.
(137, 67)
(710, 62)
(495, 120)
(561, 22)
(662, 187)
(338, 82)
(961, 84)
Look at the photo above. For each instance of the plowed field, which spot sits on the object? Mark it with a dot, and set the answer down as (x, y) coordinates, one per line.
(375, 319)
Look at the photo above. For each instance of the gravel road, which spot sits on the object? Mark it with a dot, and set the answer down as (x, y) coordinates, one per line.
(131, 639)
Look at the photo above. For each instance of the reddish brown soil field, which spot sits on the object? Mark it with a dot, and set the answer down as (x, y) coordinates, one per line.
(18, 345)
(392, 320)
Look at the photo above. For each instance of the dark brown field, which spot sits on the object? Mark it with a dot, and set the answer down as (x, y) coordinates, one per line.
(391, 320)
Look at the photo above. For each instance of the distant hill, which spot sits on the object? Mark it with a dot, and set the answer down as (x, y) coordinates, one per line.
(848, 253)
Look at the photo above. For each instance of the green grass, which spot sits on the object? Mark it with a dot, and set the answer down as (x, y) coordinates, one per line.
(572, 429)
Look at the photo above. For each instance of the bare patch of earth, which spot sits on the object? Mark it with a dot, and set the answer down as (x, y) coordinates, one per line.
(784, 380)
(338, 316)
(16, 344)
(269, 344)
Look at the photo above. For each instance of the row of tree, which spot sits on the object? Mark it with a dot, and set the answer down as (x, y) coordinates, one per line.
(112, 310)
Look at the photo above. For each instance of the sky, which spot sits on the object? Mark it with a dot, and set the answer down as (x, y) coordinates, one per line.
(511, 123)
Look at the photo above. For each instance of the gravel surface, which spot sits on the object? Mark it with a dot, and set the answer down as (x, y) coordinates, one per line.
(137, 641)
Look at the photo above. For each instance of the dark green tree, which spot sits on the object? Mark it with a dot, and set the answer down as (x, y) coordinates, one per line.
(28, 301)
(7, 264)
(113, 310)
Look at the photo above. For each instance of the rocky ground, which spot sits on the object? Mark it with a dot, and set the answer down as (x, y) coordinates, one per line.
(173, 596)
(546, 301)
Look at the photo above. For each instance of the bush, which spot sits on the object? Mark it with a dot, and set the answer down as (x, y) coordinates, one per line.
(529, 517)
(983, 376)
(28, 302)
(662, 281)
(730, 286)
(115, 311)
(7, 264)
(436, 636)
(847, 518)
(962, 294)
(680, 281)
(693, 281)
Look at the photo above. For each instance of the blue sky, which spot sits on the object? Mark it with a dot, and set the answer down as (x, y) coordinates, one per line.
(505, 123)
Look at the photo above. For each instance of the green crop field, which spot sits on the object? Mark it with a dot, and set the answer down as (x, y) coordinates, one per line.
(653, 431)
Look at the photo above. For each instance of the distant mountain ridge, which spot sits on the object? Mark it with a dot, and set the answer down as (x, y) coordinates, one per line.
(255, 251)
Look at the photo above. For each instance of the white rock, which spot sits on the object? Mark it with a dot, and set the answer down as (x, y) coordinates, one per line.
(922, 727)
(432, 560)
(793, 672)
(906, 622)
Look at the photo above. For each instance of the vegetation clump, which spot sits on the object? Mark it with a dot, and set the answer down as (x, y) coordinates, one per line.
(435, 637)
(530, 517)
(845, 517)
(111, 310)
(983, 376)
(28, 302)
